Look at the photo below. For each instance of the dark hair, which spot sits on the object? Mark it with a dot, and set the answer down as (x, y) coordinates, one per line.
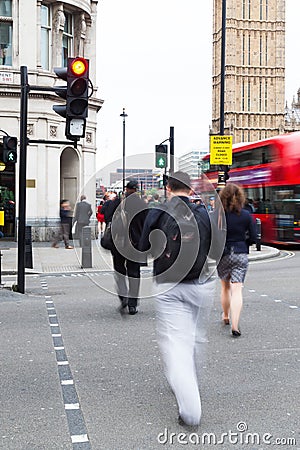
(232, 197)
(179, 181)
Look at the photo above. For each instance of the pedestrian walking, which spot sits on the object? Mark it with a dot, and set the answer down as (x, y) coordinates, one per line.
(233, 265)
(100, 218)
(83, 212)
(109, 207)
(127, 224)
(64, 233)
(184, 287)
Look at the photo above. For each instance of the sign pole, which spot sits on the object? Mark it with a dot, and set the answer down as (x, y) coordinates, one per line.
(221, 174)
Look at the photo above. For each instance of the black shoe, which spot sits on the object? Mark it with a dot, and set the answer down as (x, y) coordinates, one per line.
(236, 333)
(132, 310)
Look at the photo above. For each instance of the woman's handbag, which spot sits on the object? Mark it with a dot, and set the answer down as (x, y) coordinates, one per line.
(106, 240)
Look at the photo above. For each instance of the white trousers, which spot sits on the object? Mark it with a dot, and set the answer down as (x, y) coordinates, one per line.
(182, 321)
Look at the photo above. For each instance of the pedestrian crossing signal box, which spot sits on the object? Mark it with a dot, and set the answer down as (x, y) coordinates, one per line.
(10, 144)
(161, 156)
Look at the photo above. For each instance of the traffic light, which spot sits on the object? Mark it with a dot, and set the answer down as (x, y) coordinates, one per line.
(10, 144)
(161, 156)
(76, 93)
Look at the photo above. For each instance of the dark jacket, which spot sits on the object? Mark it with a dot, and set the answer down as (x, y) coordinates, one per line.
(241, 232)
(127, 225)
(83, 212)
(154, 220)
(109, 208)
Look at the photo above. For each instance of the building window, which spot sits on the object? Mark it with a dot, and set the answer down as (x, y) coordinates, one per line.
(45, 36)
(261, 10)
(260, 96)
(260, 50)
(68, 39)
(6, 24)
(267, 9)
(266, 50)
(249, 50)
(266, 95)
(244, 9)
(243, 95)
(243, 50)
(249, 9)
(249, 95)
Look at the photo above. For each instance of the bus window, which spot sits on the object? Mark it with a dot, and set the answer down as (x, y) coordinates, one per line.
(254, 157)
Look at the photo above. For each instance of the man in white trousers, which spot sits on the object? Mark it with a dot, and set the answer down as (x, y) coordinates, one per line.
(184, 289)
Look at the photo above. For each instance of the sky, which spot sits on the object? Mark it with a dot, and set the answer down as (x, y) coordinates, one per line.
(155, 60)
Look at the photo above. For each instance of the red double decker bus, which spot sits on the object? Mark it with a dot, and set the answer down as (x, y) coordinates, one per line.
(269, 171)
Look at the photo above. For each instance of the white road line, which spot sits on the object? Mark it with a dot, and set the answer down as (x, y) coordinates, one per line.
(77, 438)
(67, 382)
(62, 363)
(72, 406)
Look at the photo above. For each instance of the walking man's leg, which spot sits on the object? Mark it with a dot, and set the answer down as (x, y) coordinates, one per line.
(176, 326)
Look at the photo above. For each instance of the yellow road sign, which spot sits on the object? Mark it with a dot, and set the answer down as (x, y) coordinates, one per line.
(221, 150)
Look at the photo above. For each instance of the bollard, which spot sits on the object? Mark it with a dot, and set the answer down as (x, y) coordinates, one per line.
(86, 251)
(258, 234)
(28, 248)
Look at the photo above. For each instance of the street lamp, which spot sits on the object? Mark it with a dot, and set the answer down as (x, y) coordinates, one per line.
(123, 115)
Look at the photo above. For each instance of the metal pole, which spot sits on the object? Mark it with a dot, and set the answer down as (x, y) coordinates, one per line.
(22, 179)
(171, 149)
(123, 170)
(223, 49)
(221, 174)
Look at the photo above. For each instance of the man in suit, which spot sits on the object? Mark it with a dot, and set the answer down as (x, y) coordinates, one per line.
(83, 213)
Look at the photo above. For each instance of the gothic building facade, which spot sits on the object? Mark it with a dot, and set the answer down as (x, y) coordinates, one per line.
(254, 69)
(41, 35)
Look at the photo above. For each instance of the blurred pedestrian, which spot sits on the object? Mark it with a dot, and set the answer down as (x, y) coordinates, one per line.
(211, 204)
(127, 224)
(83, 212)
(64, 233)
(109, 207)
(233, 265)
(184, 287)
(100, 218)
(155, 201)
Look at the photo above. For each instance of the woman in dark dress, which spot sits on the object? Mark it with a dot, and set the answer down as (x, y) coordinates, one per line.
(233, 266)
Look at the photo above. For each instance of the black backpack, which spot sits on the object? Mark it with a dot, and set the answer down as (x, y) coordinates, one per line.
(186, 244)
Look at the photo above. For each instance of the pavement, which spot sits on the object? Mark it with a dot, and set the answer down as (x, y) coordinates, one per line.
(70, 379)
(47, 259)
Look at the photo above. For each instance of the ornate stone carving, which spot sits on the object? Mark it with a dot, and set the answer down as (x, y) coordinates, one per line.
(30, 129)
(59, 20)
(53, 131)
(88, 137)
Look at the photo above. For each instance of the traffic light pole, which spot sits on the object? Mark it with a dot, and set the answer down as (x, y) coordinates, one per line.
(24, 141)
(171, 149)
(22, 179)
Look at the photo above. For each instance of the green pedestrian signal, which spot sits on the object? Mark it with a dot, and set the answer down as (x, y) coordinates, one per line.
(161, 156)
(10, 144)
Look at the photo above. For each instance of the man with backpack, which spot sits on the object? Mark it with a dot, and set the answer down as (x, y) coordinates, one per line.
(178, 235)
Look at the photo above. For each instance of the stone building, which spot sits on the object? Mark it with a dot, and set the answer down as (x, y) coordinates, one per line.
(41, 35)
(292, 115)
(255, 68)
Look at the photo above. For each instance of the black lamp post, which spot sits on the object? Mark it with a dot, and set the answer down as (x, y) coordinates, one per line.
(123, 115)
